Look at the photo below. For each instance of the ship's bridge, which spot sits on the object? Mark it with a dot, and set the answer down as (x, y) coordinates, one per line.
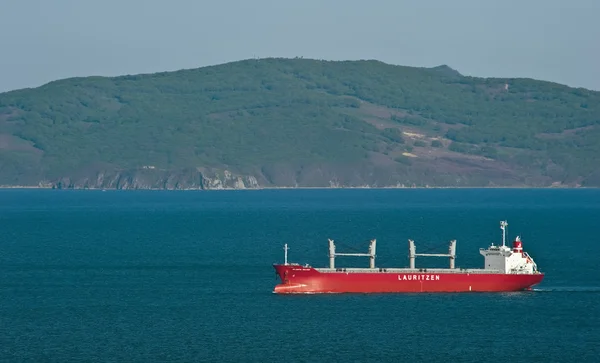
(507, 260)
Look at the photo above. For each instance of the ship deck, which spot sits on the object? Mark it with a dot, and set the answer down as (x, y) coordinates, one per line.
(407, 270)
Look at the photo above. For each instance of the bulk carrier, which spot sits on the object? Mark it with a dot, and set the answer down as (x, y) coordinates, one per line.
(505, 269)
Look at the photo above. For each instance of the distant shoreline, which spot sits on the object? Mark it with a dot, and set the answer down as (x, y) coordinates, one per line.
(3, 187)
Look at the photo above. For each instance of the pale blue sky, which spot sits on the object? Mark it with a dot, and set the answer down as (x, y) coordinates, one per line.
(45, 40)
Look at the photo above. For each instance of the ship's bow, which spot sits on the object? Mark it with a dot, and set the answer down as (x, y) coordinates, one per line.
(295, 279)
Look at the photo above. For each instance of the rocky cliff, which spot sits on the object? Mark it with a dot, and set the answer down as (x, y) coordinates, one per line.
(151, 178)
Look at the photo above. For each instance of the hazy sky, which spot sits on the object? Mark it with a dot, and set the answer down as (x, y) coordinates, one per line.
(45, 40)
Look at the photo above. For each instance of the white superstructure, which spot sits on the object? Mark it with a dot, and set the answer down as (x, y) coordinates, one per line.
(507, 260)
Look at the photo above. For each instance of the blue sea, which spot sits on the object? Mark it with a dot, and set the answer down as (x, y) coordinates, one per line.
(187, 276)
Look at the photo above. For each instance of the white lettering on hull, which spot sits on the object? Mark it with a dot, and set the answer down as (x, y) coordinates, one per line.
(418, 277)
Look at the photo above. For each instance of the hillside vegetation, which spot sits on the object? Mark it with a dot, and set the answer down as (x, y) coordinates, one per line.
(299, 122)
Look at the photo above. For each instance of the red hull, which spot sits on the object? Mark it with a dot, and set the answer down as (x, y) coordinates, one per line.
(298, 279)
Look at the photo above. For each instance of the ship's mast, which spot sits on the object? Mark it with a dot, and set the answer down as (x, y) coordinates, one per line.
(412, 253)
(503, 225)
(285, 249)
(333, 254)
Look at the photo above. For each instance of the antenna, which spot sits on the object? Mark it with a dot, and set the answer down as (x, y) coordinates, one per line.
(503, 225)
(285, 249)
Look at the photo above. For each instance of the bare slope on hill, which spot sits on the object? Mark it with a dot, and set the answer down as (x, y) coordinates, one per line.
(299, 123)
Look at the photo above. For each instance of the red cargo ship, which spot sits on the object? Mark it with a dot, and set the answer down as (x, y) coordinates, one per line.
(505, 269)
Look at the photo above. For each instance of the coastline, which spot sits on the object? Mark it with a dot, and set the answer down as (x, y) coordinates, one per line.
(7, 187)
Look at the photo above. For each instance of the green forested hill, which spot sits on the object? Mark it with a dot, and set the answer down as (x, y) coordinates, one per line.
(299, 122)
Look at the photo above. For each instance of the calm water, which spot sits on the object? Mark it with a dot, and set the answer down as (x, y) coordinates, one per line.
(93, 276)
